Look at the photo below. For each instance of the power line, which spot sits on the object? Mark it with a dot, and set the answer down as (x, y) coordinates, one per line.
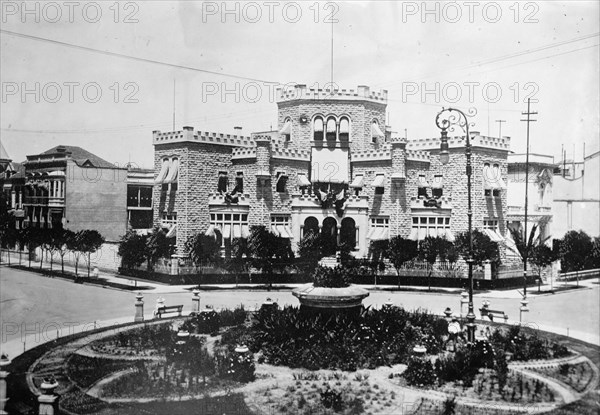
(130, 57)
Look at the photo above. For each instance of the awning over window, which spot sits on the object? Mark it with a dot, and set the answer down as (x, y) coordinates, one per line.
(494, 236)
(376, 131)
(358, 181)
(438, 182)
(282, 231)
(492, 178)
(226, 231)
(263, 174)
(210, 231)
(237, 231)
(422, 234)
(414, 234)
(510, 245)
(379, 181)
(245, 231)
(344, 126)
(172, 231)
(303, 180)
(423, 182)
(173, 172)
(378, 234)
(446, 233)
(163, 172)
(318, 126)
(331, 126)
(287, 128)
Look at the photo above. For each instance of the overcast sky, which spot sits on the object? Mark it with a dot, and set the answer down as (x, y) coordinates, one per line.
(493, 54)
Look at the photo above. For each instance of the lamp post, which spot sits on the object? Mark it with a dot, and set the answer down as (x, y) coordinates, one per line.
(445, 119)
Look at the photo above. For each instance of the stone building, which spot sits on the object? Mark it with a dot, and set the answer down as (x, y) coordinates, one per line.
(332, 166)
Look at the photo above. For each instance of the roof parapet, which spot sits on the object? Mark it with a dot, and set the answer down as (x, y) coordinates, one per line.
(300, 91)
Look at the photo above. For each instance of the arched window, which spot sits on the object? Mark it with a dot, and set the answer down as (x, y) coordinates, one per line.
(331, 129)
(344, 129)
(318, 128)
(311, 224)
(348, 233)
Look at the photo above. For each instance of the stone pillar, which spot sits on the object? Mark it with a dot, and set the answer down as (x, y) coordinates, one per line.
(464, 304)
(195, 301)
(524, 311)
(139, 307)
(174, 264)
(4, 362)
(48, 400)
(487, 270)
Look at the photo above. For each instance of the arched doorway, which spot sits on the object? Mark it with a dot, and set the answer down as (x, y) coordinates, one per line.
(311, 224)
(329, 233)
(348, 233)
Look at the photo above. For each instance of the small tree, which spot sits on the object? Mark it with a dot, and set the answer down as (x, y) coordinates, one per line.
(62, 245)
(484, 249)
(595, 257)
(575, 251)
(74, 244)
(204, 250)
(158, 246)
(239, 254)
(90, 242)
(541, 256)
(267, 250)
(44, 239)
(9, 239)
(310, 252)
(377, 253)
(132, 249)
(400, 251)
(32, 240)
(429, 248)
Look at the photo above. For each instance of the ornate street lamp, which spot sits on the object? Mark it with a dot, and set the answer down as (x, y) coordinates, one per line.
(449, 118)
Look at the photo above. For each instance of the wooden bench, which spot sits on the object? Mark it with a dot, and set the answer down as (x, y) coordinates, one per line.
(486, 312)
(168, 309)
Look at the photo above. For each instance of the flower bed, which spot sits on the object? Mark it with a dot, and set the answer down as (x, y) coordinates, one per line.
(578, 376)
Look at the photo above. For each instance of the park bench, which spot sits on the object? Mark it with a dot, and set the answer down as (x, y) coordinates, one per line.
(486, 312)
(168, 309)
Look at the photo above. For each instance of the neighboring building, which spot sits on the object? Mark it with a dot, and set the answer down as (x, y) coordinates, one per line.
(539, 191)
(331, 167)
(70, 186)
(139, 199)
(576, 203)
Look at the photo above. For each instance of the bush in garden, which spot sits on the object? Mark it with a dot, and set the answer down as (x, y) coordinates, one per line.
(337, 277)
(464, 364)
(332, 399)
(233, 317)
(525, 346)
(419, 372)
(208, 322)
(235, 366)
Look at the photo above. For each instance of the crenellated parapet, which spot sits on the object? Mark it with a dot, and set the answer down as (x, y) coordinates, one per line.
(417, 155)
(188, 135)
(383, 153)
(300, 91)
(477, 140)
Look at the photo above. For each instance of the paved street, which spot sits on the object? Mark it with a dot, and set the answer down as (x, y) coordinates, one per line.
(34, 307)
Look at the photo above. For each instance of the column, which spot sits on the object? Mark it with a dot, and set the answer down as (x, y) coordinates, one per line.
(13, 199)
(4, 362)
(195, 301)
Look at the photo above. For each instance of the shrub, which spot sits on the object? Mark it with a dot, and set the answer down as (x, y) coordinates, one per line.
(234, 366)
(419, 372)
(332, 277)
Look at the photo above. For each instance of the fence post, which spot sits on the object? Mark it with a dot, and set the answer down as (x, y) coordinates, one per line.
(196, 300)
(48, 400)
(464, 304)
(139, 307)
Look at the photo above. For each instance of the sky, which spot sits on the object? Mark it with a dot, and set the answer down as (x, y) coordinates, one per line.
(103, 75)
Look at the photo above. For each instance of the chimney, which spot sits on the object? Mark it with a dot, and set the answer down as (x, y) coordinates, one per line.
(363, 91)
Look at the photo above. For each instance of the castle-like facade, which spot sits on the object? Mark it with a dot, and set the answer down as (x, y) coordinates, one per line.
(332, 166)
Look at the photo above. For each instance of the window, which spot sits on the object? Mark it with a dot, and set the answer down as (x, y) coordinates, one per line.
(491, 229)
(318, 128)
(280, 226)
(139, 196)
(376, 133)
(492, 180)
(379, 184)
(380, 228)
(281, 182)
(168, 220)
(422, 186)
(331, 129)
(223, 182)
(437, 189)
(239, 183)
(226, 226)
(423, 226)
(344, 129)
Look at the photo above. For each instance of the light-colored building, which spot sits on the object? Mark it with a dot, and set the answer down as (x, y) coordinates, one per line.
(576, 203)
(332, 166)
(540, 193)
